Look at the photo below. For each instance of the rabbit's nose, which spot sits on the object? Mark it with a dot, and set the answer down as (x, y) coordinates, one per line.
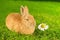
(31, 24)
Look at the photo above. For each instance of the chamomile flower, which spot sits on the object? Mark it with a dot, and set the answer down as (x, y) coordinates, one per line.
(42, 26)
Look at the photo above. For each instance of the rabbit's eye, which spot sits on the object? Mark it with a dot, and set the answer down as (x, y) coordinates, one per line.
(27, 19)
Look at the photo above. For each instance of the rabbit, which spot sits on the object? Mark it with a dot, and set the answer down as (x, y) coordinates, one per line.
(23, 23)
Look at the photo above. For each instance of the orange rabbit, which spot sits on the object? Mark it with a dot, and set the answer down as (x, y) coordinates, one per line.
(24, 23)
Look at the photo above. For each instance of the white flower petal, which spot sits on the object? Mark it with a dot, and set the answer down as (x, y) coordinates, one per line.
(42, 29)
(39, 27)
(46, 27)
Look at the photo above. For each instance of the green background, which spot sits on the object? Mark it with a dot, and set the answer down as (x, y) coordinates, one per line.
(43, 12)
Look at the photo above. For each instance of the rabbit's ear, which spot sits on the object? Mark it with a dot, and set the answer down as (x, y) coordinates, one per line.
(24, 11)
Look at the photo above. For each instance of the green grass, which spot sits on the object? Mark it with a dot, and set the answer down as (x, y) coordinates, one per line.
(43, 12)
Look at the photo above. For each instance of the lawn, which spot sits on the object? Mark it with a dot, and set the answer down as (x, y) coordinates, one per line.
(43, 12)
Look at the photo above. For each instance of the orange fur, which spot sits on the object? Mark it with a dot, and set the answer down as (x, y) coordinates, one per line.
(24, 23)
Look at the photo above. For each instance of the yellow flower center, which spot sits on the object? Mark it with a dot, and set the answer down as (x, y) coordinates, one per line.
(43, 25)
